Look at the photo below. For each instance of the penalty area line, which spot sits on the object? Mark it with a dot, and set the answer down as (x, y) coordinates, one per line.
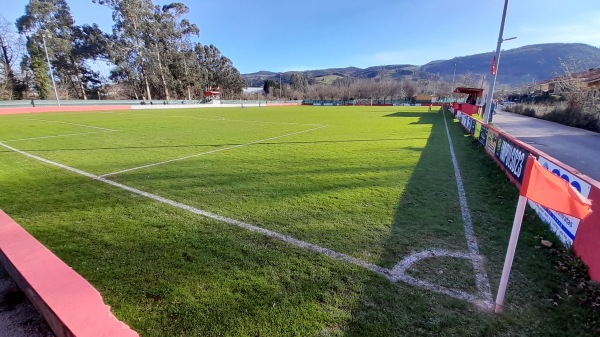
(210, 152)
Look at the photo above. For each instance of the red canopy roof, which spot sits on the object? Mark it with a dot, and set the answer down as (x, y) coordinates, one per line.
(474, 92)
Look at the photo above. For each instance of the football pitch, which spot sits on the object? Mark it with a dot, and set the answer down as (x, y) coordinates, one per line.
(282, 221)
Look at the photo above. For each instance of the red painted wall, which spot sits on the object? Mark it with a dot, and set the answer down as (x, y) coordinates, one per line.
(468, 109)
(69, 303)
(587, 240)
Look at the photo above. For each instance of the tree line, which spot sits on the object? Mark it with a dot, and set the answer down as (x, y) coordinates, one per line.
(150, 49)
(296, 86)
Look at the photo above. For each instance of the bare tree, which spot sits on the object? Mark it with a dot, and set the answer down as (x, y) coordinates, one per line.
(573, 87)
(409, 89)
(12, 48)
(469, 79)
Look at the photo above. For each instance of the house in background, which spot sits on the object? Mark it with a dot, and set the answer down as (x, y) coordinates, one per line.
(589, 79)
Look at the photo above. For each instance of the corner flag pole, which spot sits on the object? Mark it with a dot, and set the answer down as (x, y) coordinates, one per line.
(510, 252)
(546, 189)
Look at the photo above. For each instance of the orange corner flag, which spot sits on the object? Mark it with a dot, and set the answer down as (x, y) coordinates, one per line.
(549, 190)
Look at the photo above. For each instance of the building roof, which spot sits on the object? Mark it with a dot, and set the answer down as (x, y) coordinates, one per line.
(478, 92)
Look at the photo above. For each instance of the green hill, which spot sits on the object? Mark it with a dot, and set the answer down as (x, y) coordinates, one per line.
(517, 66)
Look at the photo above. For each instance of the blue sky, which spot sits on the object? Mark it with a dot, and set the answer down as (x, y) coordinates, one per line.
(288, 35)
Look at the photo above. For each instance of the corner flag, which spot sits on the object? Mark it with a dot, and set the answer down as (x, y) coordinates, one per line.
(543, 187)
(549, 190)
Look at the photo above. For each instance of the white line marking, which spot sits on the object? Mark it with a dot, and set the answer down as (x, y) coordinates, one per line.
(394, 275)
(210, 152)
(82, 125)
(56, 136)
(480, 274)
(398, 273)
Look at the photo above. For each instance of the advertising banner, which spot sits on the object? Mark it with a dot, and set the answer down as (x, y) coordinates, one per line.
(468, 123)
(464, 119)
(483, 134)
(564, 226)
(491, 142)
(472, 125)
(512, 157)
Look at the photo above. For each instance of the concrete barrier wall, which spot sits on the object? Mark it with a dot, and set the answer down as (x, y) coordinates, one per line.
(70, 304)
(584, 236)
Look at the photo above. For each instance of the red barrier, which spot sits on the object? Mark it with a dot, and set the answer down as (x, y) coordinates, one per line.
(70, 305)
(468, 109)
(30, 110)
(587, 239)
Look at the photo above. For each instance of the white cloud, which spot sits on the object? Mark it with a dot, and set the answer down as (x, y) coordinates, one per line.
(586, 29)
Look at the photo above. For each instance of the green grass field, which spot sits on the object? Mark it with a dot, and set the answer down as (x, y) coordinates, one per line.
(327, 79)
(373, 183)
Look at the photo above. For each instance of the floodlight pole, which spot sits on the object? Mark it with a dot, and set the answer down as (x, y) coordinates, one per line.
(453, 76)
(490, 95)
(50, 68)
(280, 86)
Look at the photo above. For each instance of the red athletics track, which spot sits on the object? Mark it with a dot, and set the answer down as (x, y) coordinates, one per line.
(30, 110)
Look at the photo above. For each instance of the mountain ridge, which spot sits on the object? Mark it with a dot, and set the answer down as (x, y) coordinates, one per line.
(517, 66)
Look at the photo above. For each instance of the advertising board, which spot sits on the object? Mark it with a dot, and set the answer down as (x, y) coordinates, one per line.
(512, 157)
(483, 134)
(491, 142)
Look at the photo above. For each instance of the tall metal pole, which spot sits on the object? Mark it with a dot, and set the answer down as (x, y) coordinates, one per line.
(453, 76)
(490, 95)
(50, 68)
(279, 86)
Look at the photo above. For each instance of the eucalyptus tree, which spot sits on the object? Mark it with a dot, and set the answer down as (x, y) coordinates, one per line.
(52, 20)
(170, 38)
(37, 13)
(129, 49)
(184, 68)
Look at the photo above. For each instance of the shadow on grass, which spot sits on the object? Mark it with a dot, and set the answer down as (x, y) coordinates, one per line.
(423, 117)
(428, 216)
